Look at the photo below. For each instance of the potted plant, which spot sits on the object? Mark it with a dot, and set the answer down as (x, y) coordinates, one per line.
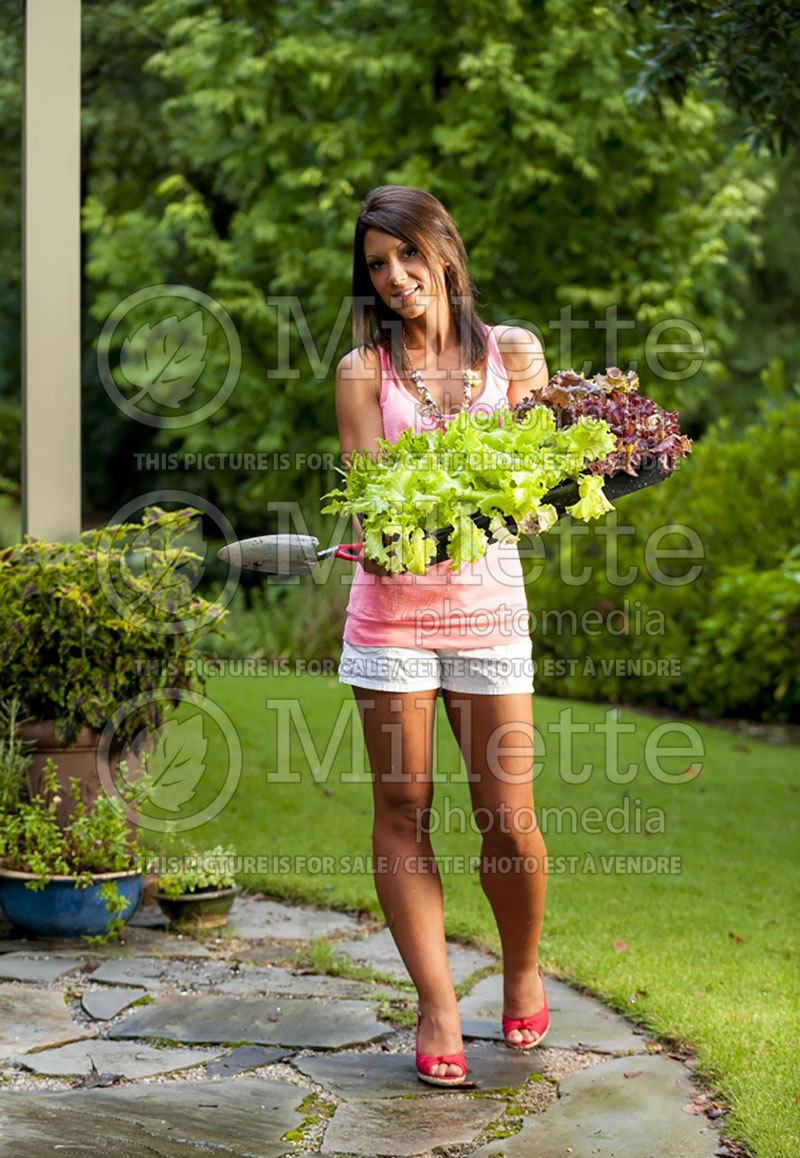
(199, 891)
(87, 626)
(15, 756)
(79, 879)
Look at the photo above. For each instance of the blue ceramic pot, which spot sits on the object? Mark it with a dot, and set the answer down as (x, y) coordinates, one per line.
(61, 909)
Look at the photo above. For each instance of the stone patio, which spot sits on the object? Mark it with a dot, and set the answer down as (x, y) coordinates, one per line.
(163, 1044)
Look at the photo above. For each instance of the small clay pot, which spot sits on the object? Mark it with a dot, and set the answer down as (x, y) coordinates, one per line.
(200, 910)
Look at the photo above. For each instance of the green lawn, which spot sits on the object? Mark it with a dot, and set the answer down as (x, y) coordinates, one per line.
(711, 945)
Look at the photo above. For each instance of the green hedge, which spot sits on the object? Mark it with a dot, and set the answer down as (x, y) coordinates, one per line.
(725, 621)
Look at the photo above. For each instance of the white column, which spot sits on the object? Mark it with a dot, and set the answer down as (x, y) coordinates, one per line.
(51, 349)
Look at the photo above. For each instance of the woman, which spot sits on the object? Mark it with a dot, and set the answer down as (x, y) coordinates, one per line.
(464, 635)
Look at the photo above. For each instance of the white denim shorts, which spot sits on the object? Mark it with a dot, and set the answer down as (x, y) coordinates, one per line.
(491, 671)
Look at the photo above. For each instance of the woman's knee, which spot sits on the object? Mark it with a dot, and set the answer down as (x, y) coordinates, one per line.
(404, 815)
(507, 830)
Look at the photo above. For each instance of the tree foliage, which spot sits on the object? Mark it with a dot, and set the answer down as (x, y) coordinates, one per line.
(749, 50)
(228, 143)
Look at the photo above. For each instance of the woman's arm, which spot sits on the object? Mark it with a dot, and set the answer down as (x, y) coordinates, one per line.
(358, 406)
(359, 416)
(523, 358)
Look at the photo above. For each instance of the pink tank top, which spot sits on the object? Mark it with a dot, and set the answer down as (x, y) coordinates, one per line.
(484, 603)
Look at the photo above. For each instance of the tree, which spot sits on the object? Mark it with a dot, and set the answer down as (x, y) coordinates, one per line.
(748, 50)
(228, 144)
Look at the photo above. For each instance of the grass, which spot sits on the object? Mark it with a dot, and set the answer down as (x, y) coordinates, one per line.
(711, 957)
(322, 956)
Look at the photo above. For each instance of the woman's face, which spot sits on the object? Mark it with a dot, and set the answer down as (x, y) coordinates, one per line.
(399, 273)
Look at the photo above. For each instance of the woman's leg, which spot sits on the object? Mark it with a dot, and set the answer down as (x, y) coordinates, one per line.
(398, 733)
(501, 786)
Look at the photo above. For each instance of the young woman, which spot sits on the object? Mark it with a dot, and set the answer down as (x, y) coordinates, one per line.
(423, 354)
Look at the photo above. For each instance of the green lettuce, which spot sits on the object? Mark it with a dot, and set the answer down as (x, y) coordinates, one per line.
(488, 464)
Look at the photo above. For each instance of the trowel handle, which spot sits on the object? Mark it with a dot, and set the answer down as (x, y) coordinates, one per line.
(349, 551)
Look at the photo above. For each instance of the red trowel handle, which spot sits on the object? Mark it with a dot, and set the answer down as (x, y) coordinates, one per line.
(349, 551)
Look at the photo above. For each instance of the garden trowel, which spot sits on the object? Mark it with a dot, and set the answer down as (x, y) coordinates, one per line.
(283, 554)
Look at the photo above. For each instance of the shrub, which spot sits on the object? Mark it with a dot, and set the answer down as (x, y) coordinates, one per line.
(86, 626)
(738, 501)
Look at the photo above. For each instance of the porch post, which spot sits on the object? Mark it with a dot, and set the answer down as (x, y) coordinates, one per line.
(51, 254)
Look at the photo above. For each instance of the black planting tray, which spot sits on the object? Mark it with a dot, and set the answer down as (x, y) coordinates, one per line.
(615, 486)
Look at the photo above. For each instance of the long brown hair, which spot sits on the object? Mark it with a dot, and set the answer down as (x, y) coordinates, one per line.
(421, 220)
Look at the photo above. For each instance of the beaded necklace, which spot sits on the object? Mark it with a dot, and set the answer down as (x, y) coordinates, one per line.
(430, 409)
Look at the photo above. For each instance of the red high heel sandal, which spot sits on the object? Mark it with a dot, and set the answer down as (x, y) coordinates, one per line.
(539, 1023)
(426, 1062)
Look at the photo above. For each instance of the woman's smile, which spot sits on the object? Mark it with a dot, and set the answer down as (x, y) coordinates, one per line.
(404, 296)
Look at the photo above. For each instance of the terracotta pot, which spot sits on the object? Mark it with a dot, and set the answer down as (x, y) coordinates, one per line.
(150, 883)
(78, 760)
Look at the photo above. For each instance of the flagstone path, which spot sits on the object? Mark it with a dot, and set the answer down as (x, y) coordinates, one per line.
(170, 1045)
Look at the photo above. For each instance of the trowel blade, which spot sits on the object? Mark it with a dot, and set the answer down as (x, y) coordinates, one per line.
(274, 554)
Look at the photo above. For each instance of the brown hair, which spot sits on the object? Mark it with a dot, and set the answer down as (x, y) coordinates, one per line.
(421, 220)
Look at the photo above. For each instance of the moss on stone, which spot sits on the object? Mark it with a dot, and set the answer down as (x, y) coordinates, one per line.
(315, 1111)
(148, 997)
